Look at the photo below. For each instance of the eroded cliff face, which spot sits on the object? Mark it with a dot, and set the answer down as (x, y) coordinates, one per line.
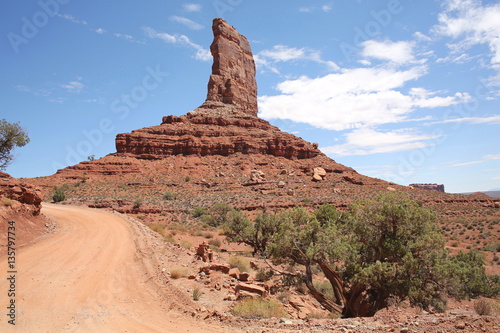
(226, 123)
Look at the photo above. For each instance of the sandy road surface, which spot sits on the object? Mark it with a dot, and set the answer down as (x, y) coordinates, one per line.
(94, 274)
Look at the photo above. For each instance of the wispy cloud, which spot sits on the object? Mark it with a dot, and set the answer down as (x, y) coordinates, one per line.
(470, 23)
(366, 141)
(485, 158)
(186, 22)
(324, 8)
(74, 86)
(492, 120)
(192, 7)
(100, 31)
(71, 18)
(201, 53)
(282, 53)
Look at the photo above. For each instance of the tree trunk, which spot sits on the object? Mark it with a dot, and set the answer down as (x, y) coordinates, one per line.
(336, 282)
(322, 299)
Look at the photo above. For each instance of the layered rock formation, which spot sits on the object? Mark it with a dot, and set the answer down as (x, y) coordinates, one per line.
(11, 189)
(20, 203)
(226, 123)
(429, 187)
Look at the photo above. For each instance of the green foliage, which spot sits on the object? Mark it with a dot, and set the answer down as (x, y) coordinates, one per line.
(386, 247)
(218, 214)
(199, 211)
(59, 194)
(259, 308)
(11, 135)
(467, 277)
(256, 234)
(264, 274)
(169, 196)
(138, 203)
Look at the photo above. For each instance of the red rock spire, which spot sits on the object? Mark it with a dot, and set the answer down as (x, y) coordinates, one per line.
(232, 82)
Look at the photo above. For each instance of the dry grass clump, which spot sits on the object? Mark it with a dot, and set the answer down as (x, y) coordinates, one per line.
(197, 293)
(239, 262)
(483, 307)
(159, 228)
(178, 273)
(259, 308)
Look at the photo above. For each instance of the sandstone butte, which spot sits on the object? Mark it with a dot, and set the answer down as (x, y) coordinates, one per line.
(225, 125)
(229, 154)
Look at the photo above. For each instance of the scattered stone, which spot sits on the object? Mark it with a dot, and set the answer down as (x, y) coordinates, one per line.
(241, 288)
(244, 276)
(460, 325)
(234, 273)
(319, 174)
(257, 176)
(281, 184)
(392, 189)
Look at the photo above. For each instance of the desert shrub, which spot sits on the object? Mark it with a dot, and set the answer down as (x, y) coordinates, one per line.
(467, 276)
(217, 214)
(483, 307)
(239, 262)
(283, 296)
(59, 194)
(178, 273)
(259, 308)
(185, 244)
(169, 196)
(199, 211)
(159, 228)
(197, 293)
(215, 242)
(138, 203)
(187, 178)
(169, 239)
(7, 202)
(264, 274)
(207, 235)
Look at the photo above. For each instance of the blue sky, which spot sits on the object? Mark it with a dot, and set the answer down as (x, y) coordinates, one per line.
(407, 91)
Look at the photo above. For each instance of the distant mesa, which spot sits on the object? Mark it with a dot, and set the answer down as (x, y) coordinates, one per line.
(226, 123)
(429, 187)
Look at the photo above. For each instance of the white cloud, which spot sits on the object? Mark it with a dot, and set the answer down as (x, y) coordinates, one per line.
(471, 24)
(192, 7)
(186, 22)
(71, 18)
(201, 53)
(124, 36)
(353, 98)
(74, 86)
(398, 52)
(326, 8)
(100, 31)
(283, 53)
(364, 141)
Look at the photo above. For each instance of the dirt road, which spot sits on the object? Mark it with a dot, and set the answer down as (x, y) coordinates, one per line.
(97, 273)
